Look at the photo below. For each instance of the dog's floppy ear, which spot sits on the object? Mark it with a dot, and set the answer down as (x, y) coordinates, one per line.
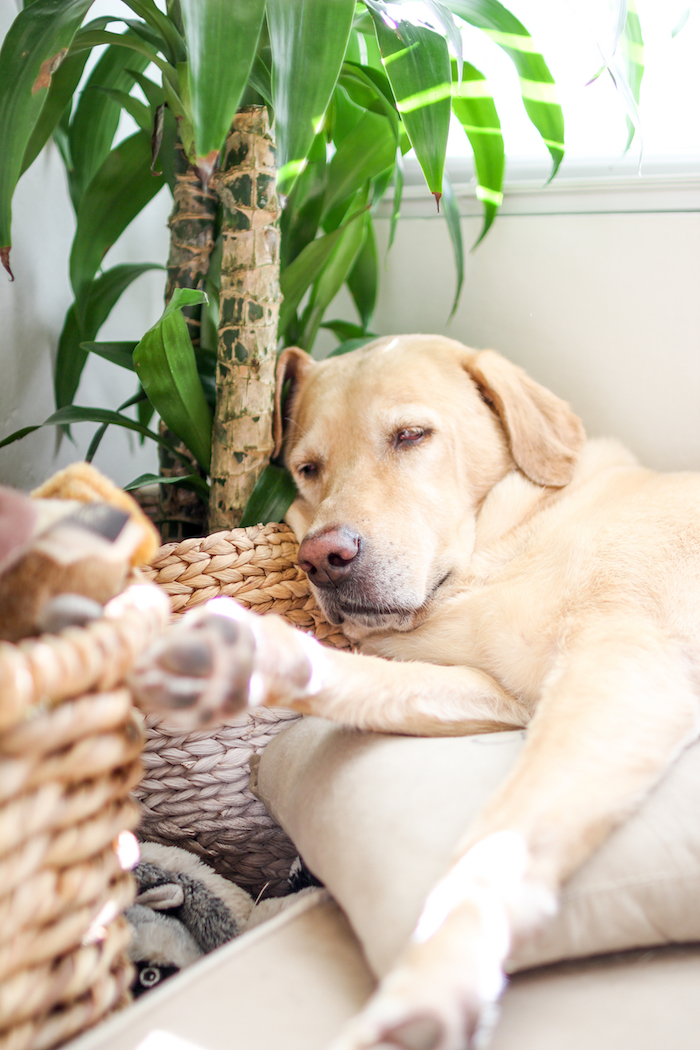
(292, 366)
(544, 435)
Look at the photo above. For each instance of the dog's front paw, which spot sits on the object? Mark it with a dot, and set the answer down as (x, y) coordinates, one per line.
(441, 996)
(411, 1015)
(199, 671)
(222, 658)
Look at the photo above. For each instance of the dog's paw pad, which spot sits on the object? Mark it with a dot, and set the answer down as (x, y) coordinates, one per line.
(200, 668)
(190, 656)
(418, 1033)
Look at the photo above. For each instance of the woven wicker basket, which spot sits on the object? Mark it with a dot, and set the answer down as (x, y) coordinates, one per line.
(195, 792)
(70, 747)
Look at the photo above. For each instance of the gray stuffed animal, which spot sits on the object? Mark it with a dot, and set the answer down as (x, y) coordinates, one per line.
(183, 910)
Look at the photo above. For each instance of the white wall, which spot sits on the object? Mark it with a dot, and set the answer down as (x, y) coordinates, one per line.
(32, 311)
(602, 308)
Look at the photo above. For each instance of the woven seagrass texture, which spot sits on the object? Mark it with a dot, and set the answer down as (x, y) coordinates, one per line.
(195, 793)
(70, 746)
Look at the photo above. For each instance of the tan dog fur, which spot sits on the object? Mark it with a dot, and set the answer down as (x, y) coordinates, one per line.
(513, 574)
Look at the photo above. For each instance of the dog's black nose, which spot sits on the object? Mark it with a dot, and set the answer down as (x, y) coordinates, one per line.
(327, 558)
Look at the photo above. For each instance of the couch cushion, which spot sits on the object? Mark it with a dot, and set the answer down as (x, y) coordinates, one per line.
(292, 983)
(377, 817)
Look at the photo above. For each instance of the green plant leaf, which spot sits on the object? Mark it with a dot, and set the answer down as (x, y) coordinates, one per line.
(454, 226)
(193, 482)
(144, 413)
(398, 194)
(63, 84)
(632, 48)
(369, 88)
(221, 42)
(17, 435)
(473, 105)
(118, 353)
(167, 369)
(308, 39)
(173, 46)
(351, 344)
(442, 15)
(368, 149)
(83, 322)
(343, 114)
(32, 51)
(140, 112)
(153, 92)
(417, 64)
(122, 186)
(101, 431)
(363, 279)
(298, 277)
(300, 220)
(166, 153)
(96, 117)
(79, 414)
(536, 82)
(87, 38)
(380, 184)
(271, 498)
(261, 81)
(685, 15)
(344, 330)
(334, 273)
(184, 297)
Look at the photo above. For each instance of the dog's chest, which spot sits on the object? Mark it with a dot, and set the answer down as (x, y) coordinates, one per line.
(509, 628)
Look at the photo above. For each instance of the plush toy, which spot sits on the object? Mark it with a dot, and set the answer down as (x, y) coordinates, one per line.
(183, 910)
(67, 550)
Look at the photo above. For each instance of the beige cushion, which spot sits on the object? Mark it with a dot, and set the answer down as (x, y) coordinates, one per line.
(292, 983)
(376, 819)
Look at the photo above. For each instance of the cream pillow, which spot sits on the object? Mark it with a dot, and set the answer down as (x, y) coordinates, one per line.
(377, 817)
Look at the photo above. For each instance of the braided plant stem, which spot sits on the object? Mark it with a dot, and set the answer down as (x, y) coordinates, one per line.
(249, 312)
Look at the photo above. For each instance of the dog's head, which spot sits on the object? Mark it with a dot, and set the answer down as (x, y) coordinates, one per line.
(394, 448)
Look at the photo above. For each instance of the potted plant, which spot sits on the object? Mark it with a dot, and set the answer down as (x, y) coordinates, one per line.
(350, 86)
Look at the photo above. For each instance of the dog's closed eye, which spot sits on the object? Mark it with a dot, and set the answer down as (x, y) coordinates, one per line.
(407, 437)
(308, 470)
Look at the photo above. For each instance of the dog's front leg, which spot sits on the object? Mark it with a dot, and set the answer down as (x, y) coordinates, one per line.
(618, 707)
(222, 659)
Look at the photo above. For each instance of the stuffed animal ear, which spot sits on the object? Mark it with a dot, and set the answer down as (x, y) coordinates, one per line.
(162, 898)
(292, 367)
(82, 482)
(544, 435)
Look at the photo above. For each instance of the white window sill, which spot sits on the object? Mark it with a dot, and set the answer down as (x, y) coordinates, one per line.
(581, 187)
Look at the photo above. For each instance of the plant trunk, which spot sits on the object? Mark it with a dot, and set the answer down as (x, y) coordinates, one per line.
(192, 233)
(248, 311)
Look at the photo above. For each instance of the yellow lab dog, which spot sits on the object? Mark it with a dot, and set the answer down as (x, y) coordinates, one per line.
(496, 570)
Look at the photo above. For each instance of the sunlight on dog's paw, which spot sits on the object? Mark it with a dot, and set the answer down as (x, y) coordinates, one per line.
(417, 1033)
(429, 1002)
(199, 671)
(418, 1027)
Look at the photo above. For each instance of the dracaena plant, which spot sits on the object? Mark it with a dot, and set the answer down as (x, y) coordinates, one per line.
(349, 88)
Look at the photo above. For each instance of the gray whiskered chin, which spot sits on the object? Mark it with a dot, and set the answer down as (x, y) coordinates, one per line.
(362, 612)
(361, 616)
